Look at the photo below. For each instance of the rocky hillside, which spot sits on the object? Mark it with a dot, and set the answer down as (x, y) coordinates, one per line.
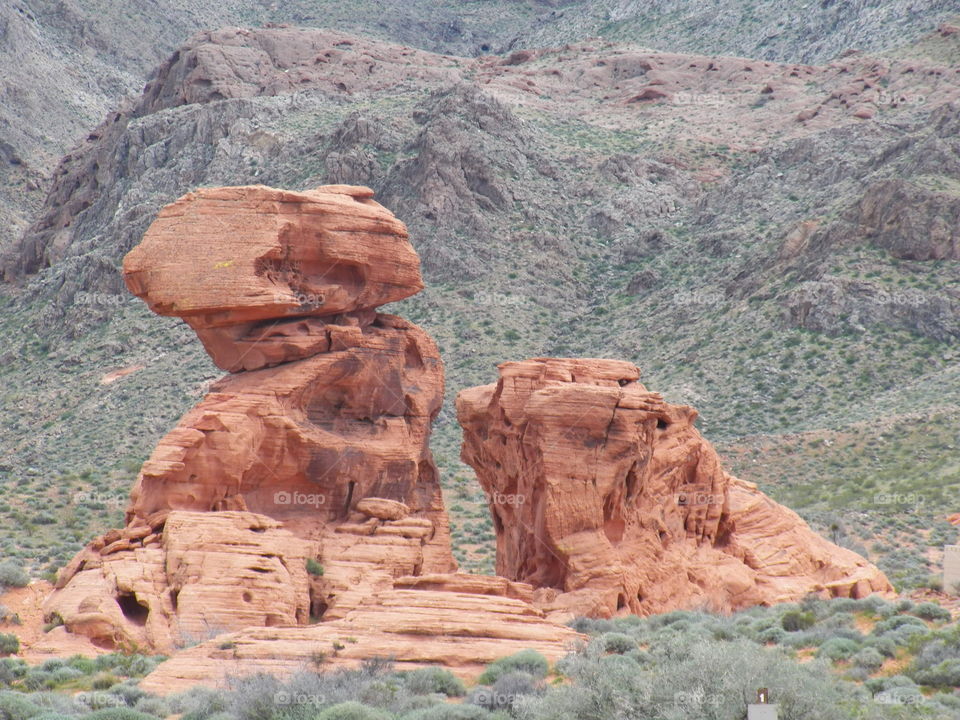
(68, 62)
(773, 242)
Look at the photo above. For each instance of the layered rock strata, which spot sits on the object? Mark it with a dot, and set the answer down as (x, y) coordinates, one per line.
(608, 500)
(313, 448)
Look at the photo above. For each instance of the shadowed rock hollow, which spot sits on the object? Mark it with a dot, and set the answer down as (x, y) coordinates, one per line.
(607, 499)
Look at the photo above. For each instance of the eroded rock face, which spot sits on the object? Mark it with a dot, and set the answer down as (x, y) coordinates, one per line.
(315, 447)
(459, 621)
(607, 499)
(202, 574)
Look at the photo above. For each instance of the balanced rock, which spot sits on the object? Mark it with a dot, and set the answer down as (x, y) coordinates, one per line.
(251, 268)
(328, 405)
(607, 499)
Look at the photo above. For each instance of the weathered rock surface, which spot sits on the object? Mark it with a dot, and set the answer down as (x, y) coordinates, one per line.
(461, 622)
(606, 498)
(223, 257)
(314, 448)
(193, 576)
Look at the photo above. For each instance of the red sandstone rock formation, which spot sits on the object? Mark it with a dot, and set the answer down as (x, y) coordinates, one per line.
(460, 621)
(316, 446)
(607, 499)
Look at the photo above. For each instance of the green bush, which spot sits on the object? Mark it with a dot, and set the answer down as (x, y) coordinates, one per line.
(84, 664)
(774, 635)
(104, 681)
(12, 574)
(794, 620)
(16, 706)
(838, 649)
(618, 643)
(37, 679)
(868, 658)
(931, 611)
(424, 681)
(896, 622)
(118, 713)
(446, 711)
(528, 661)
(944, 674)
(314, 567)
(9, 644)
(352, 711)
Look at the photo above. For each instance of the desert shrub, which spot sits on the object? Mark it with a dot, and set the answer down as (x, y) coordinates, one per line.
(198, 703)
(641, 657)
(794, 620)
(9, 644)
(931, 611)
(837, 649)
(904, 605)
(60, 703)
(352, 710)
(528, 661)
(16, 706)
(12, 574)
(155, 706)
(946, 673)
(118, 713)
(433, 680)
(875, 603)
(104, 681)
(380, 693)
(505, 692)
(37, 679)
(618, 642)
(774, 635)
(447, 711)
(868, 658)
(857, 674)
(885, 645)
(601, 691)
(14, 668)
(65, 674)
(314, 567)
(895, 623)
(620, 664)
(904, 695)
(128, 692)
(591, 626)
(127, 665)
(84, 664)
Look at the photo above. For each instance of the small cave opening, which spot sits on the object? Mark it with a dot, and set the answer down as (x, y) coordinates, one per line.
(621, 601)
(349, 500)
(247, 597)
(174, 599)
(662, 424)
(132, 609)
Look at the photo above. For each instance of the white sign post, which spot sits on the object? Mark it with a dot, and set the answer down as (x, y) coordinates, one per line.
(762, 709)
